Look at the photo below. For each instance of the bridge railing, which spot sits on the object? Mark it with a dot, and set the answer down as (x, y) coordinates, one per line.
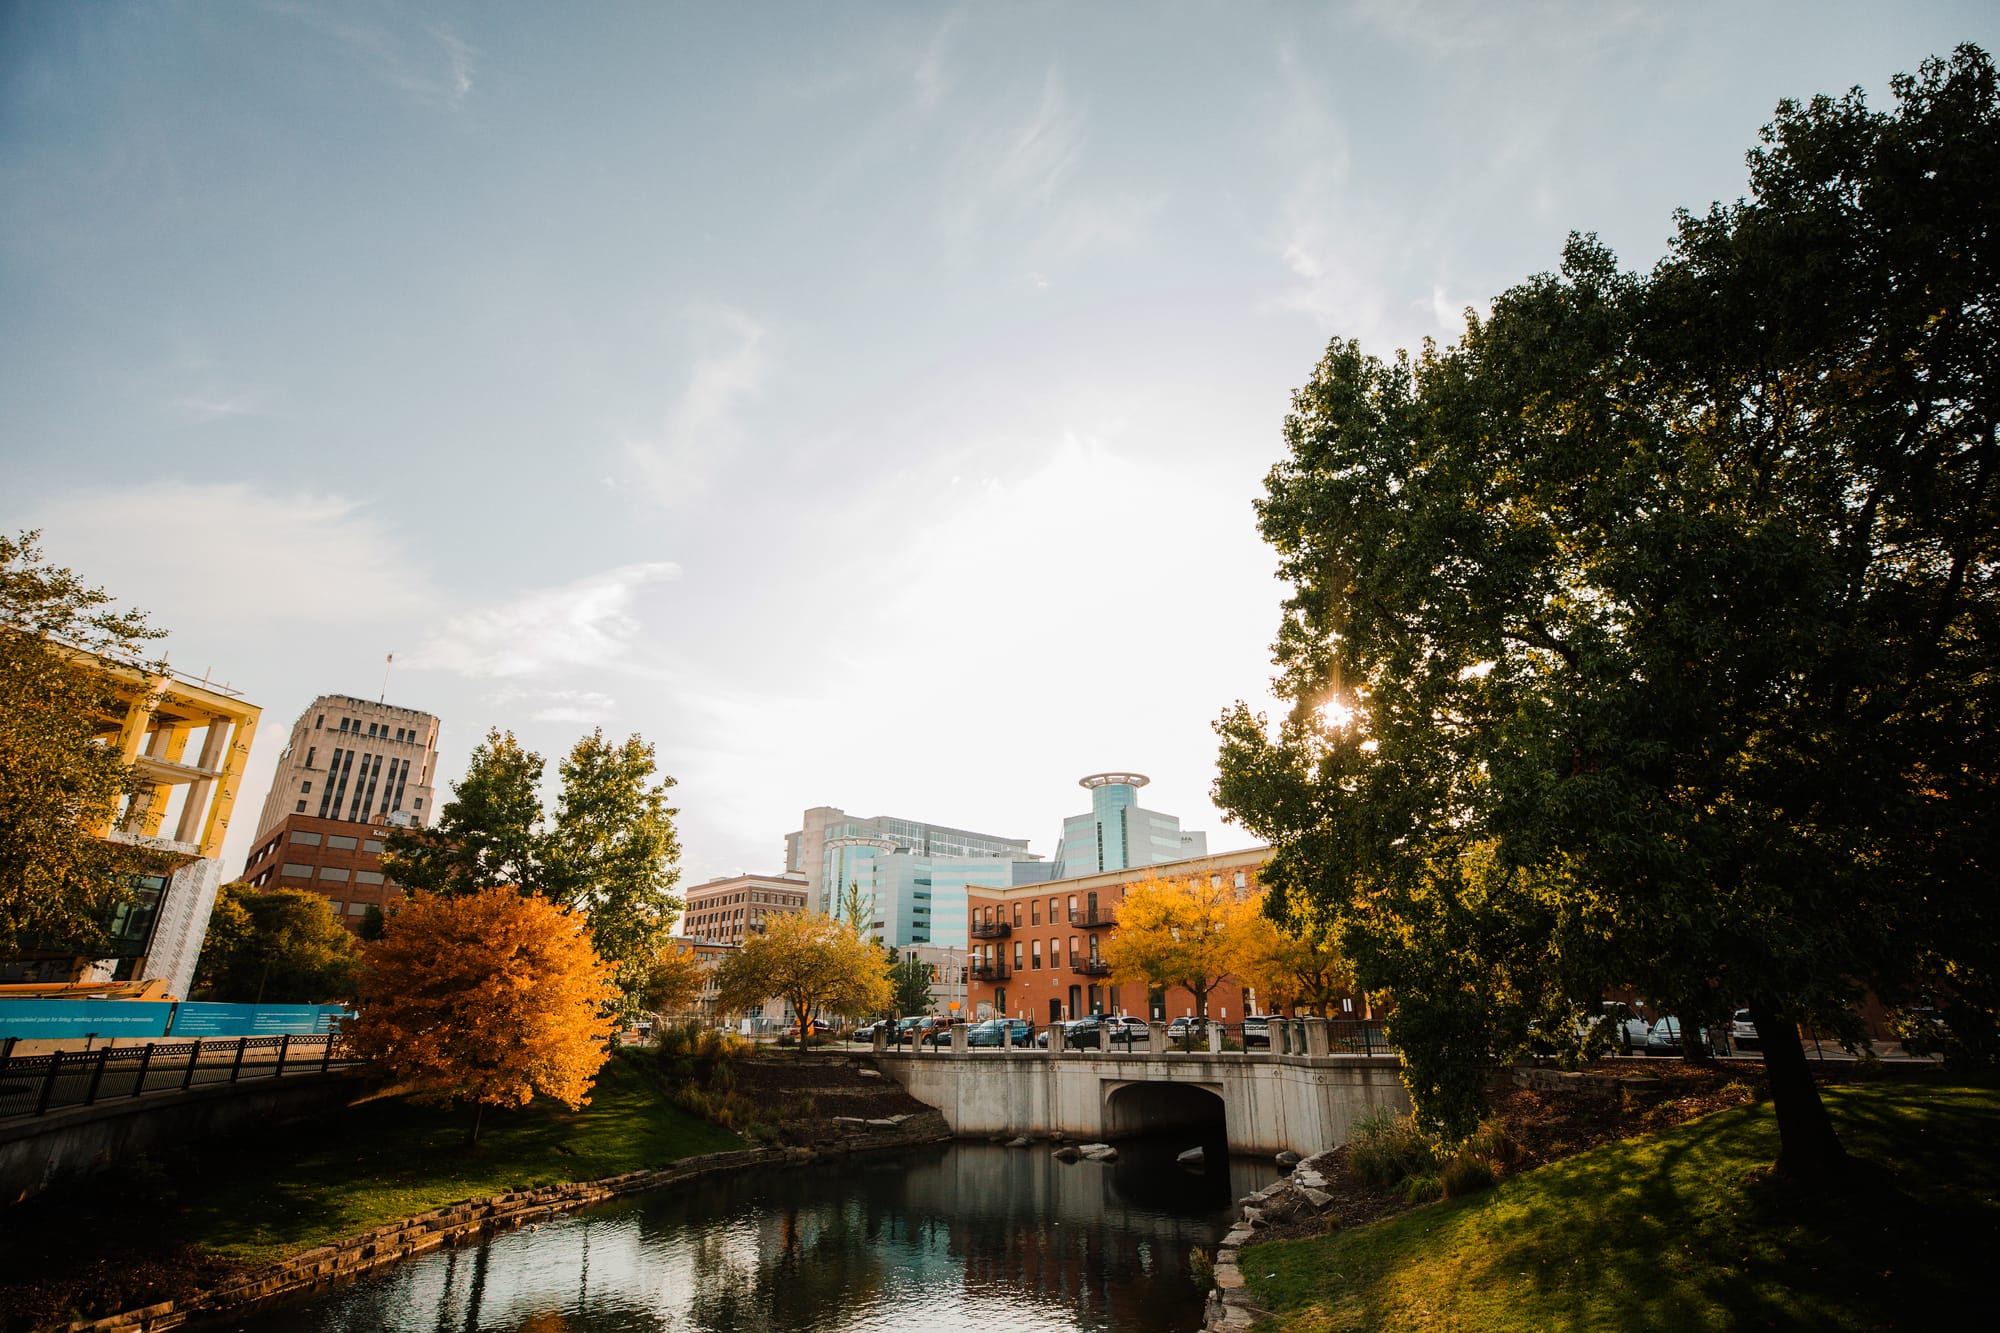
(1256, 1036)
(35, 1085)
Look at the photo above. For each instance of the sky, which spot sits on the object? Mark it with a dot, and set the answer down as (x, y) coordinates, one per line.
(864, 403)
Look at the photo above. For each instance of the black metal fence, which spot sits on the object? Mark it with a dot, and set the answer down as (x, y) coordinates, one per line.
(1256, 1036)
(34, 1085)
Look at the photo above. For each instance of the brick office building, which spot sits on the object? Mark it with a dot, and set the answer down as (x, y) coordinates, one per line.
(1037, 951)
(725, 910)
(353, 769)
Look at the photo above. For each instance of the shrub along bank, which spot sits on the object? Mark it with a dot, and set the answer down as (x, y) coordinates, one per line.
(1685, 1230)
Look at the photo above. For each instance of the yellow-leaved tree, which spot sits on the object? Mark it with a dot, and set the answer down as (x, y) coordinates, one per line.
(490, 998)
(1297, 963)
(674, 981)
(813, 962)
(1180, 932)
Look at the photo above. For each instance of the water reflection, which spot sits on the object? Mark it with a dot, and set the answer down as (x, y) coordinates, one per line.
(938, 1238)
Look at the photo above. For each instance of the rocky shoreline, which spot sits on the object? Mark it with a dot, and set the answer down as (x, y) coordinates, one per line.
(1284, 1201)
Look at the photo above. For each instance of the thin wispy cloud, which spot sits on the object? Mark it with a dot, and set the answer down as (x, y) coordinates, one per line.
(235, 545)
(202, 408)
(587, 707)
(582, 624)
(433, 63)
(675, 463)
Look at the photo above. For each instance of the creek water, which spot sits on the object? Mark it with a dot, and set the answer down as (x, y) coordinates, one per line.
(964, 1235)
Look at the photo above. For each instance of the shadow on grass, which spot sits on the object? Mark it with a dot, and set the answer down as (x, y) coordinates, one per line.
(1687, 1230)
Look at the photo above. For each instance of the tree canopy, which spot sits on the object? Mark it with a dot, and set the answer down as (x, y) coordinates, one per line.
(278, 947)
(1180, 932)
(909, 987)
(813, 962)
(1648, 635)
(673, 982)
(58, 881)
(610, 852)
(492, 997)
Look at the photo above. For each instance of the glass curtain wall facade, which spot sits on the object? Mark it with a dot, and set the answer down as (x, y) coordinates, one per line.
(1118, 834)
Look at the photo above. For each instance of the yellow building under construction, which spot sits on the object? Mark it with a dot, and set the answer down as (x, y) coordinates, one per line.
(188, 745)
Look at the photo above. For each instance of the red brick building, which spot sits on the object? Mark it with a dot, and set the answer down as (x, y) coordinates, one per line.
(333, 857)
(1037, 950)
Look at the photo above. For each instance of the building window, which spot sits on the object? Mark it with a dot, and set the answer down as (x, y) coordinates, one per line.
(357, 909)
(299, 809)
(297, 871)
(1035, 912)
(306, 839)
(310, 751)
(1239, 879)
(1017, 914)
(336, 905)
(1017, 955)
(1055, 953)
(367, 877)
(319, 721)
(1035, 953)
(343, 842)
(333, 874)
(372, 845)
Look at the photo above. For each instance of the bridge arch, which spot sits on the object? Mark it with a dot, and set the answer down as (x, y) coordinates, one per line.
(1136, 1107)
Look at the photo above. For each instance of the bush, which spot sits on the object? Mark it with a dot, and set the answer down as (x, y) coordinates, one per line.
(692, 1054)
(1385, 1149)
(1389, 1151)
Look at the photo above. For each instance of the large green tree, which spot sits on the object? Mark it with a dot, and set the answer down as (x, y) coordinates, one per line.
(59, 882)
(488, 834)
(612, 852)
(1648, 635)
(280, 947)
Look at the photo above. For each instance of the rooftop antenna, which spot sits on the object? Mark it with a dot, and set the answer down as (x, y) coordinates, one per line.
(386, 664)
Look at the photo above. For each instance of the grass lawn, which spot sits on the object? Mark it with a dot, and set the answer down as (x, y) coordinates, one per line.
(1685, 1230)
(313, 1181)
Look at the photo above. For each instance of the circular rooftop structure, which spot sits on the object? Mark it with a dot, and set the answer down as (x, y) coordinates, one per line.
(1114, 780)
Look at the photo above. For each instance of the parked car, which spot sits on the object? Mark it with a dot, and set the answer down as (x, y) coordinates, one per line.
(1621, 1025)
(1743, 1031)
(906, 1029)
(1126, 1029)
(937, 1031)
(1664, 1037)
(1256, 1030)
(1084, 1033)
(992, 1032)
(866, 1031)
(1181, 1028)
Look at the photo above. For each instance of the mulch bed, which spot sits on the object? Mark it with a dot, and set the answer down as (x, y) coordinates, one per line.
(1548, 1126)
(43, 1282)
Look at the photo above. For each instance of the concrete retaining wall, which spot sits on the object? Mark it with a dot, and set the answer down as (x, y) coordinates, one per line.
(1303, 1103)
(37, 1151)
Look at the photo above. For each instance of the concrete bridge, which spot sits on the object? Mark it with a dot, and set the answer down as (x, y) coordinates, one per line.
(1301, 1094)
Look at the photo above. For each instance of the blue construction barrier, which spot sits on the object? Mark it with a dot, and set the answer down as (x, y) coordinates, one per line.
(34, 1020)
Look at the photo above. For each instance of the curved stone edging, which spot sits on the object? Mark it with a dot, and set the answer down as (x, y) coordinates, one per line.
(1229, 1309)
(354, 1256)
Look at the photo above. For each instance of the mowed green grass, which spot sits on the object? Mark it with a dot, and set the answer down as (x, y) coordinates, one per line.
(1689, 1230)
(291, 1187)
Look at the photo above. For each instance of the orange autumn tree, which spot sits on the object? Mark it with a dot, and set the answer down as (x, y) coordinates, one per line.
(489, 998)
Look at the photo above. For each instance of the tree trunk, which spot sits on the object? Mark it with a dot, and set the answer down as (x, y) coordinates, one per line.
(478, 1110)
(1808, 1148)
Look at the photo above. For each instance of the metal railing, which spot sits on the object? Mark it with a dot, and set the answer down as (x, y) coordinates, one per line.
(997, 930)
(34, 1085)
(1092, 917)
(990, 972)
